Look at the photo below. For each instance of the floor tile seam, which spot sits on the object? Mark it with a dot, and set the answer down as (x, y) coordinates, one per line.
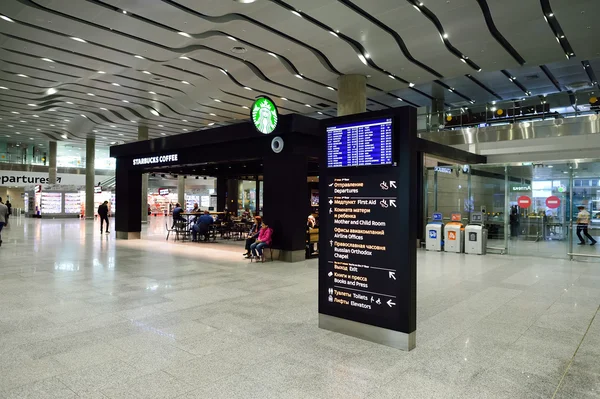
(575, 353)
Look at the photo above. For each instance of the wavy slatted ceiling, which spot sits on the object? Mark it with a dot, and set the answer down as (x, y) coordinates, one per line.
(295, 50)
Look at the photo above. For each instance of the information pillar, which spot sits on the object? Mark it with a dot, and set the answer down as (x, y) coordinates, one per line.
(368, 224)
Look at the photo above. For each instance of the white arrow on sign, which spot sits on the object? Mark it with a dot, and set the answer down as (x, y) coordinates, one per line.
(390, 303)
(393, 184)
(392, 275)
(330, 274)
(393, 203)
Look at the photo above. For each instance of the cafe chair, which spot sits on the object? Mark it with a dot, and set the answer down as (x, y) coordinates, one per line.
(169, 230)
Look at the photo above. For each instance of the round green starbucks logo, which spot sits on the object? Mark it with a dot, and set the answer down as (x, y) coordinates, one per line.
(264, 115)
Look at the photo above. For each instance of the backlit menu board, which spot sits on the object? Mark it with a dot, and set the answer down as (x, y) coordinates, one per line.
(360, 144)
(362, 256)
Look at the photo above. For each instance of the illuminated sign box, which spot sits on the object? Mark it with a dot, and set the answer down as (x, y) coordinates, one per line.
(156, 160)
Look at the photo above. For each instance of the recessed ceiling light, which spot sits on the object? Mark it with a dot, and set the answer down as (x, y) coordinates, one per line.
(32, 105)
(210, 124)
(224, 71)
(64, 136)
(232, 38)
(102, 72)
(319, 112)
(296, 13)
(284, 99)
(23, 121)
(14, 112)
(31, 138)
(133, 122)
(411, 85)
(211, 114)
(217, 100)
(104, 138)
(185, 82)
(330, 88)
(21, 75)
(445, 35)
(184, 34)
(273, 55)
(52, 125)
(243, 106)
(333, 33)
(184, 120)
(7, 135)
(183, 57)
(3, 88)
(163, 134)
(69, 102)
(10, 125)
(151, 92)
(399, 99)
(115, 84)
(139, 56)
(551, 15)
(299, 76)
(91, 94)
(78, 40)
(125, 101)
(112, 126)
(103, 109)
(308, 105)
(247, 88)
(38, 129)
(35, 116)
(161, 126)
(124, 12)
(4, 17)
(120, 134)
(147, 72)
(185, 130)
(17, 132)
(66, 120)
(154, 112)
(47, 60)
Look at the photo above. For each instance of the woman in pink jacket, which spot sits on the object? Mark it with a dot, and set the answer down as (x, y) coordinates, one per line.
(264, 239)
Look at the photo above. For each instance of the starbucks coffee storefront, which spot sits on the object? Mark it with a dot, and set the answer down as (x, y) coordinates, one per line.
(282, 149)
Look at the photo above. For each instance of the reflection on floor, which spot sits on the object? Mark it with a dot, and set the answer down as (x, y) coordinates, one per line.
(83, 315)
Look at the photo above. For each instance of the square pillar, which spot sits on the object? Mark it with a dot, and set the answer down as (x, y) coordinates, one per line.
(221, 194)
(285, 195)
(128, 221)
(90, 177)
(233, 192)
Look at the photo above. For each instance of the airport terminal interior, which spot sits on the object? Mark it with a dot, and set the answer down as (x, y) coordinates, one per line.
(367, 199)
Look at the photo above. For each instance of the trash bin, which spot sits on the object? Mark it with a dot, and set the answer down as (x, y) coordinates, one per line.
(454, 237)
(475, 239)
(435, 234)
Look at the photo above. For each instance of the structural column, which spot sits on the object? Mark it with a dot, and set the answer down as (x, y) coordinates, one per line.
(52, 163)
(285, 194)
(90, 173)
(181, 190)
(143, 135)
(221, 194)
(128, 221)
(352, 94)
(233, 192)
(437, 107)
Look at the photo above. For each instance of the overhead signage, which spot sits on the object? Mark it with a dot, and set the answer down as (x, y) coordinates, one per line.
(437, 217)
(362, 255)
(163, 191)
(524, 201)
(523, 187)
(443, 169)
(553, 202)
(38, 188)
(156, 160)
(360, 144)
(264, 115)
(29, 179)
(98, 189)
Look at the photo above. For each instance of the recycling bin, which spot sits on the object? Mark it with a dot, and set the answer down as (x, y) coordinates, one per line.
(454, 237)
(435, 235)
(475, 239)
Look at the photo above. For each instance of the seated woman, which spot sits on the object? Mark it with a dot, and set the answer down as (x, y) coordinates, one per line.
(253, 235)
(264, 239)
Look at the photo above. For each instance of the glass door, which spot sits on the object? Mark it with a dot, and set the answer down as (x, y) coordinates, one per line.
(585, 211)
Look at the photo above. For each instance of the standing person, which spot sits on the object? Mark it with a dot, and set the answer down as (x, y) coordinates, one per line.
(9, 206)
(103, 213)
(253, 235)
(264, 239)
(583, 221)
(3, 218)
(514, 222)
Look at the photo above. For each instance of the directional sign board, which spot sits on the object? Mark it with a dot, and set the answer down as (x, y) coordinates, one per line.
(367, 261)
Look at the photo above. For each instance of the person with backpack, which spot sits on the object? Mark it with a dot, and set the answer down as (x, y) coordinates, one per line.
(103, 213)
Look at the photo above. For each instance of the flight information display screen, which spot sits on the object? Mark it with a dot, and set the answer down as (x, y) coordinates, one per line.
(360, 144)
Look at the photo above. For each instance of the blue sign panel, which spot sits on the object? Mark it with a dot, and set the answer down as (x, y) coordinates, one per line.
(360, 144)
(433, 234)
(437, 217)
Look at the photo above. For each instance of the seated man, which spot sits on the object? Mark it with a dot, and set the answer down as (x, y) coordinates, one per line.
(253, 234)
(202, 226)
(177, 211)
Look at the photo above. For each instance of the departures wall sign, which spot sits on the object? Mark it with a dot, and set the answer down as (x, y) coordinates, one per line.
(264, 115)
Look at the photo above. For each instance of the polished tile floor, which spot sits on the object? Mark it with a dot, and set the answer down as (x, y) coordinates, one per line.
(83, 315)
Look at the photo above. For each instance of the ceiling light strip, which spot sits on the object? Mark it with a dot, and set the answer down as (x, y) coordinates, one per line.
(552, 21)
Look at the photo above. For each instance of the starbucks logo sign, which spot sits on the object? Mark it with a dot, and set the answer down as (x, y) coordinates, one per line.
(264, 115)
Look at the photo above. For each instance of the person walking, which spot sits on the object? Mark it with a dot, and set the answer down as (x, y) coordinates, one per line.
(9, 206)
(3, 218)
(583, 221)
(103, 213)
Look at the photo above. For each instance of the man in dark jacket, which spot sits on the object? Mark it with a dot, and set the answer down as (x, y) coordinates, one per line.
(103, 213)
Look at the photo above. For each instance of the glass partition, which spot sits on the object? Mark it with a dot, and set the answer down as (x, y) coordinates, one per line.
(541, 210)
